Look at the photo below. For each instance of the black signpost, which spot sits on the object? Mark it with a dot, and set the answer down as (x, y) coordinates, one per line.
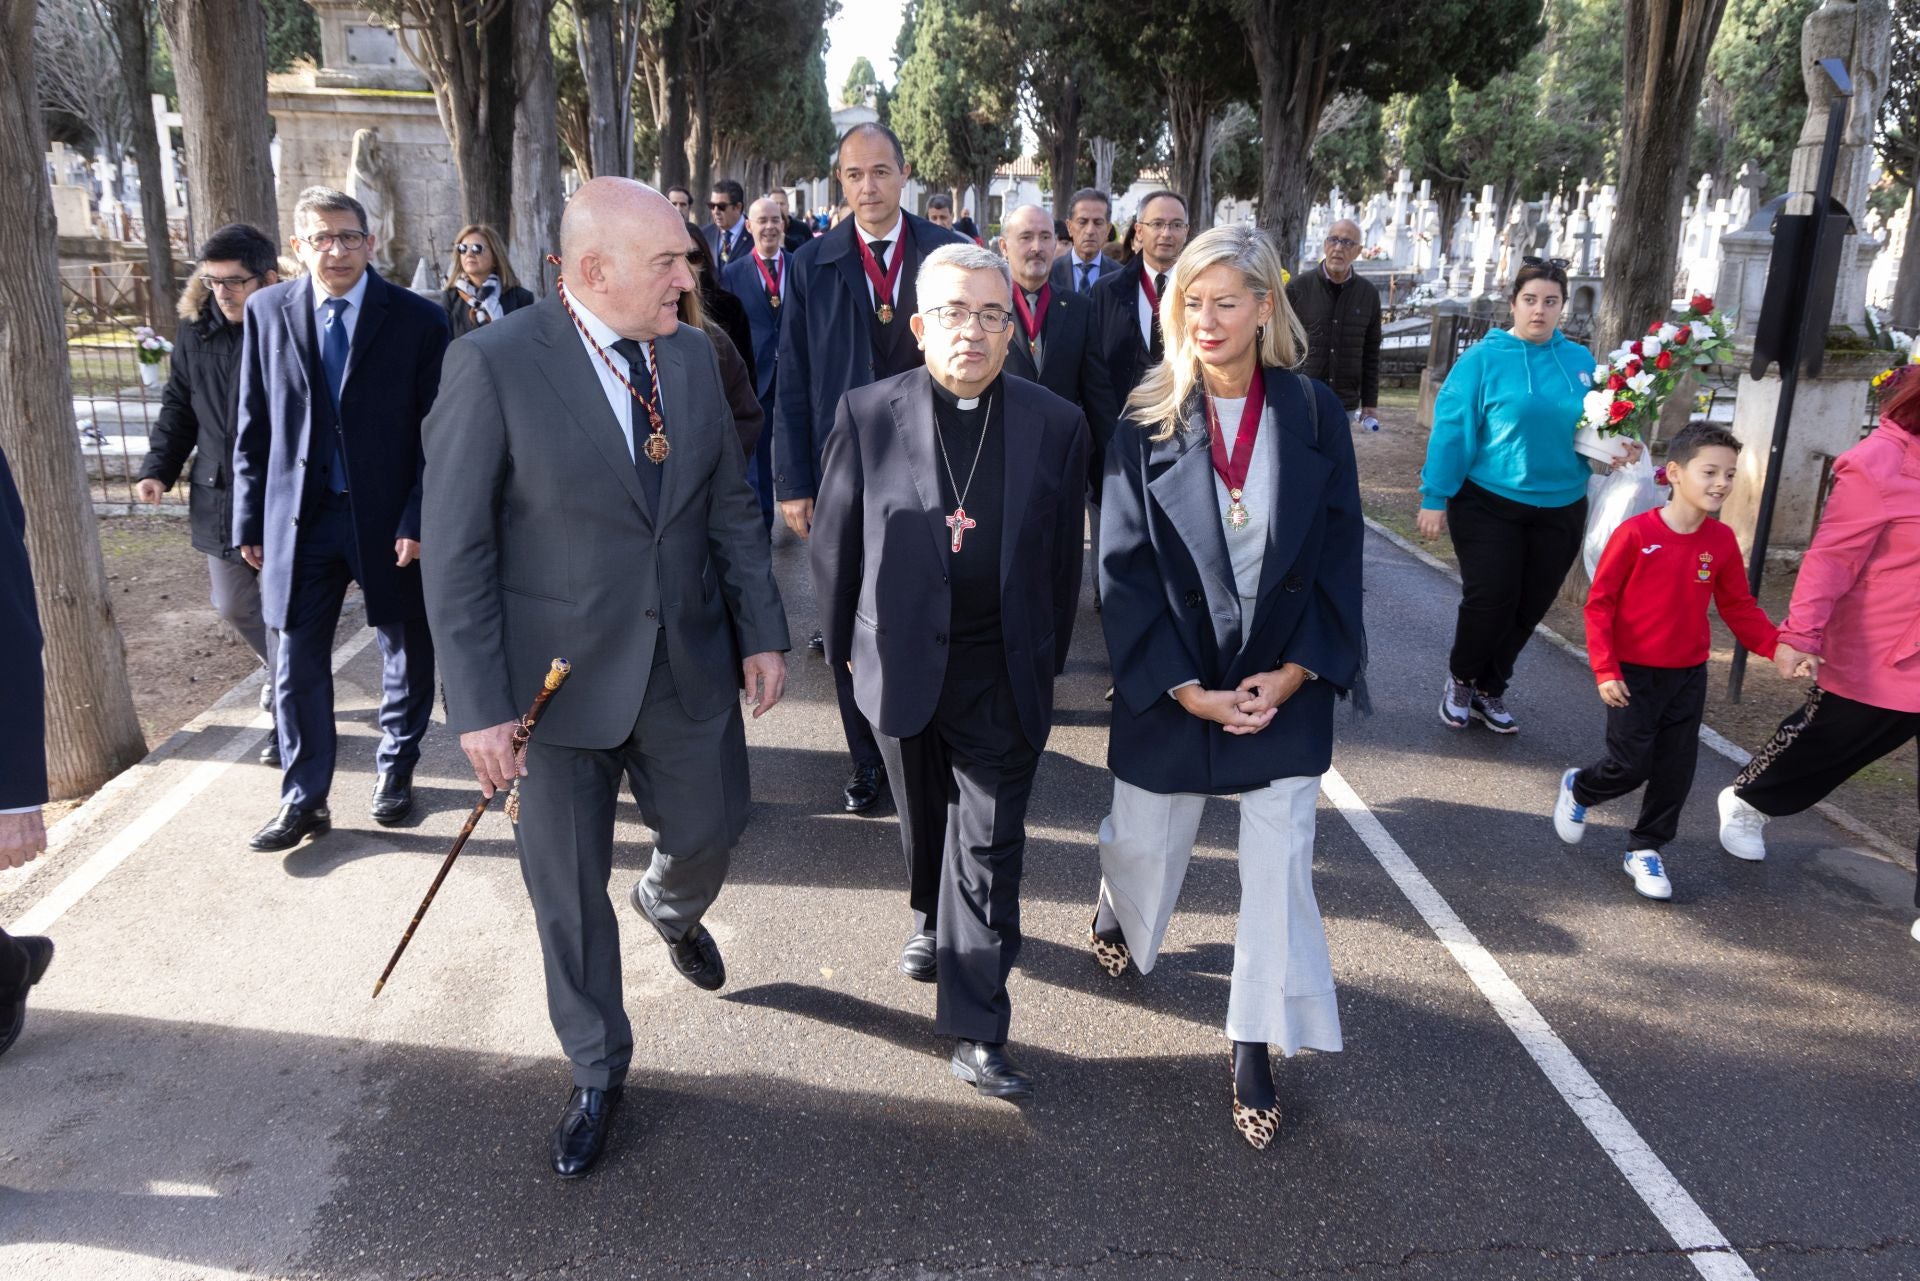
(1801, 276)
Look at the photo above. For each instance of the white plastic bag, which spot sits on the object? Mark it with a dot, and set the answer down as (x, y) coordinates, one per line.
(1615, 498)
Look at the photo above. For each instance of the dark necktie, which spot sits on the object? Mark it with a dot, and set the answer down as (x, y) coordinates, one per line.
(1035, 344)
(1086, 277)
(333, 358)
(879, 248)
(726, 245)
(1157, 348)
(649, 472)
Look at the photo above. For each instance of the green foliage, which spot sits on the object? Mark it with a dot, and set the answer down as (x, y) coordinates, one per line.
(1754, 102)
(1898, 137)
(862, 84)
(1236, 167)
(954, 105)
(1351, 157)
(293, 33)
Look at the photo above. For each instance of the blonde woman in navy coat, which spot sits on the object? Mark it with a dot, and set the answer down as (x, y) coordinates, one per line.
(1230, 569)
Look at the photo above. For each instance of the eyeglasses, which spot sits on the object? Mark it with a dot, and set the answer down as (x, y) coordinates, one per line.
(1159, 225)
(992, 319)
(467, 250)
(717, 206)
(1552, 264)
(227, 283)
(1342, 242)
(347, 240)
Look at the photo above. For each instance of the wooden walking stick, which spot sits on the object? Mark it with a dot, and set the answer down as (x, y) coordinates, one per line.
(556, 676)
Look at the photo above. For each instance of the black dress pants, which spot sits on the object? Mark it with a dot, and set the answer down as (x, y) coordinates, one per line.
(962, 785)
(13, 965)
(1654, 739)
(1513, 558)
(1819, 747)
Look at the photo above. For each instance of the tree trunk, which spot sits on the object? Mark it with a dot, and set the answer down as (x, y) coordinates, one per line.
(220, 67)
(1905, 314)
(1299, 70)
(1663, 66)
(129, 23)
(672, 123)
(700, 140)
(92, 730)
(1063, 151)
(536, 148)
(1190, 135)
(609, 136)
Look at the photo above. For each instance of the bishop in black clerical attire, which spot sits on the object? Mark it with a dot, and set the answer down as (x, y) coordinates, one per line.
(946, 545)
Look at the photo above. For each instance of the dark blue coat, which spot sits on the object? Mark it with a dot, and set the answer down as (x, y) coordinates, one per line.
(23, 690)
(826, 347)
(880, 550)
(1075, 370)
(1172, 615)
(393, 374)
(1116, 322)
(741, 278)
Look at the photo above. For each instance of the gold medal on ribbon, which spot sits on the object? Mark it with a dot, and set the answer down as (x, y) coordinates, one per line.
(657, 448)
(884, 313)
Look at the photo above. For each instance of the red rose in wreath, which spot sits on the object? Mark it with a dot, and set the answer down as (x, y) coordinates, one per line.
(1619, 411)
(1682, 336)
(1663, 361)
(1616, 383)
(1701, 303)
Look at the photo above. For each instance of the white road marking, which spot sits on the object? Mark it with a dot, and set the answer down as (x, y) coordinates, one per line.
(1706, 1246)
(130, 838)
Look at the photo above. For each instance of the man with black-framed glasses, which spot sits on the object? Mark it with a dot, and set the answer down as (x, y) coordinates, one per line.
(196, 420)
(1340, 309)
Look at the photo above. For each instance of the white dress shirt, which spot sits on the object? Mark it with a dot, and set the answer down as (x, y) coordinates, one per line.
(619, 399)
(893, 239)
(350, 317)
(1145, 308)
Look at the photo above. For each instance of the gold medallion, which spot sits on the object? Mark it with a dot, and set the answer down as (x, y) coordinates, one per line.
(1237, 515)
(884, 313)
(773, 301)
(657, 448)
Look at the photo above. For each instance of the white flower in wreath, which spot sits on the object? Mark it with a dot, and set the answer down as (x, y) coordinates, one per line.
(1702, 331)
(1642, 382)
(1599, 378)
(1650, 346)
(1668, 332)
(1596, 407)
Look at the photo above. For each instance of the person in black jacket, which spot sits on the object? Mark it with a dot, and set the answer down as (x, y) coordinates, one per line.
(23, 753)
(1340, 309)
(481, 286)
(196, 418)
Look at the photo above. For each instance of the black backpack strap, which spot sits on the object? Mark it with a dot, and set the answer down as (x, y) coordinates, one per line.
(1313, 406)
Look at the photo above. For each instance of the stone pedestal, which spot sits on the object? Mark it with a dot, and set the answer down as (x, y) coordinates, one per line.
(1828, 415)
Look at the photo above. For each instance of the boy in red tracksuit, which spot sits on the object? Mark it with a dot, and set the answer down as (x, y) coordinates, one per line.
(1648, 640)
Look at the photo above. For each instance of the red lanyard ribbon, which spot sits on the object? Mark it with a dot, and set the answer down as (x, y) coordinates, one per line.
(882, 285)
(770, 278)
(1030, 321)
(1233, 472)
(1146, 287)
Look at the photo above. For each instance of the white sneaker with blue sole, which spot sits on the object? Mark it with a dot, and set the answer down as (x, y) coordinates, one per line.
(1648, 873)
(1569, 815)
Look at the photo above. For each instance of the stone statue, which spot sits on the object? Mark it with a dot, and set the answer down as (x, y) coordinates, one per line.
(1859, 33)
(370, 181)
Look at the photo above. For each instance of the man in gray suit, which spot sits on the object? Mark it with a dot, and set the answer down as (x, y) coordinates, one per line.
(585, 498)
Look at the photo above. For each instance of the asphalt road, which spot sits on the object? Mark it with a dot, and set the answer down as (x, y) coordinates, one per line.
(204, 1087)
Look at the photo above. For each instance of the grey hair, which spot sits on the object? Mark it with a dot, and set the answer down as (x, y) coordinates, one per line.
(317, 199)
(968, 257)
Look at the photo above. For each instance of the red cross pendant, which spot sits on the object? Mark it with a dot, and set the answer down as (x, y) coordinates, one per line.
(960, 523)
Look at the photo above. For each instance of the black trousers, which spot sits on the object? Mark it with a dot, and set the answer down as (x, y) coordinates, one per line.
(1654, 739)
(860, 741)
(1513, 558)
(13, 964)
(1819, 747)
(962, 785)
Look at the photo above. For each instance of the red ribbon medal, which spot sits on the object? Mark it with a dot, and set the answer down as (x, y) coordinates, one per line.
(1233, 471)
(771, 279)
(882, 285)
(1030, 321)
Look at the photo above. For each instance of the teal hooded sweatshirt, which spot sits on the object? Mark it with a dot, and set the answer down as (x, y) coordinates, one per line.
(1505, 421)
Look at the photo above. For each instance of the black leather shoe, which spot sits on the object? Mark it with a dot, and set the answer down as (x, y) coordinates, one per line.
(581, 1136)
(392, 797)
(988, 1069)
(291, 826)
(270, 752)
(816, 642)
(13, 1009)
(920, 959)
(696, 956)
(865, 786)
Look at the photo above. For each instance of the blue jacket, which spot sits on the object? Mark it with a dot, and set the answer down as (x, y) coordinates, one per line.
(741, 278)
(23, 691)
(1505, 421)
(393, 374)
(1172, 614)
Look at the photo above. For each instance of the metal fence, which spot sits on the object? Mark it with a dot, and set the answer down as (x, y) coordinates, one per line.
(116, 397)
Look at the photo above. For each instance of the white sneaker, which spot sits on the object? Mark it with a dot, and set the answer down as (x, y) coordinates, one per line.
(1569, 815)
(1742, 828)
(1456, 703)
(1649, 875)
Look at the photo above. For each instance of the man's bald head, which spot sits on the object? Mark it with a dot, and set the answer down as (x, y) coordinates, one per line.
(1341, 248)
(623, 249)
(1031, 245)
(767, 220)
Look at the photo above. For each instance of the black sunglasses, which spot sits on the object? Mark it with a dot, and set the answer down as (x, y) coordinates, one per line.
(1551, 264)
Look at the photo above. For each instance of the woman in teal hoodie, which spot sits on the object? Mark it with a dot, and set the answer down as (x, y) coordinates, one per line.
(1502, 474)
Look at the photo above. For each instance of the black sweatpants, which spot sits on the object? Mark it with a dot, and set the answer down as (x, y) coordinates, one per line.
(1513, 558)
(1654, 739)
(1819, 747)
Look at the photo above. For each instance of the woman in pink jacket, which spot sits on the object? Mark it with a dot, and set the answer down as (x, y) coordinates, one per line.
(1856, 613)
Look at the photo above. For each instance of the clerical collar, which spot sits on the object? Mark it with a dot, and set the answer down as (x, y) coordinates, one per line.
(964, 405)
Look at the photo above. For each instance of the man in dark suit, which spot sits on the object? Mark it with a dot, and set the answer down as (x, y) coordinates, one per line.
(761, 280)
(1087, 261)
(846, 325)
(336, 372)
(23, 751)
(585, 499)
(1127, 302)
(197, 412)
(798, 231)
(947, 553)
(726, 231)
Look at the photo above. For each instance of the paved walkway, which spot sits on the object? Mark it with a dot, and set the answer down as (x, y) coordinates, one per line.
(1545, 1076)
